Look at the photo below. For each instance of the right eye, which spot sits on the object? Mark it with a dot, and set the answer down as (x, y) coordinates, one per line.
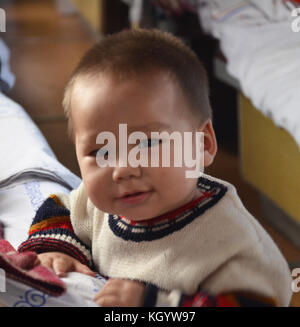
(148, 143)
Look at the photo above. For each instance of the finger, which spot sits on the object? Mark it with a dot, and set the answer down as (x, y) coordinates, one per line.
(81, 268)
(46, 261)
(61, 267)
(116, 282)
(112, 285)
(108, 301)
(109, 291)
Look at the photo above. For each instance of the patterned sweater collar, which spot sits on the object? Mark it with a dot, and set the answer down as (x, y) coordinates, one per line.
(158, 227)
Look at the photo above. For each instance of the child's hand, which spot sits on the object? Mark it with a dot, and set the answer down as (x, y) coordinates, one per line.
(62, 263)
(121, 293)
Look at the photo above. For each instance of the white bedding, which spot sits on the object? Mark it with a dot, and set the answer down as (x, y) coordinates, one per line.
(29, 173)
(24, 151)
(81, 290)
(263, 54)
(5, 73)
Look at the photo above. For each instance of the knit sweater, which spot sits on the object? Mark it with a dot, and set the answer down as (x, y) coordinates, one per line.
(209, 252)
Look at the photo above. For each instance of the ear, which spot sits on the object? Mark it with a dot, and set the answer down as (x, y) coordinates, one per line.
(210, 142)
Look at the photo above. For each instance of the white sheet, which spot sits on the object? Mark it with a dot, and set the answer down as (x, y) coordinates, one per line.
(81, 289)
(24, 151)
(263, 54)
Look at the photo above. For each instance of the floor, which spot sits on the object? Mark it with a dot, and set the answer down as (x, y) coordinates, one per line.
(45, 48)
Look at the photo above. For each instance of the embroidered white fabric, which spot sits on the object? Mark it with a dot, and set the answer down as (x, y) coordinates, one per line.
(262, 52)
(81, 289)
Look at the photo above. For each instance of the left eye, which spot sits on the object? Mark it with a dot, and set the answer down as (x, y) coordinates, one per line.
(102, 153)
(93, 153)
(149, 143)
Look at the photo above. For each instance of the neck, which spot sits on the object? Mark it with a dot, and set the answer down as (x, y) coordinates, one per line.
(163, 225)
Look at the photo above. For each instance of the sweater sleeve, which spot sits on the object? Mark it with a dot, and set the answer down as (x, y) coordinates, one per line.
(51, 230)
(154, 297)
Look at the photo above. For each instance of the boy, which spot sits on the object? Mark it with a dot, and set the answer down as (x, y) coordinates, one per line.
(160, 238)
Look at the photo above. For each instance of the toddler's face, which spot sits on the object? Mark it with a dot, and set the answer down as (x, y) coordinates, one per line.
(146, 104)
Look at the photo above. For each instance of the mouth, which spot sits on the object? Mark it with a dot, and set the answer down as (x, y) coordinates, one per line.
(134, 197)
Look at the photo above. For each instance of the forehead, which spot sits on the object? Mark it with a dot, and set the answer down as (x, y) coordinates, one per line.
(102, 102)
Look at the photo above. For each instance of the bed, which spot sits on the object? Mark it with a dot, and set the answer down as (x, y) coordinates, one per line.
(263, 64)
(270, 160)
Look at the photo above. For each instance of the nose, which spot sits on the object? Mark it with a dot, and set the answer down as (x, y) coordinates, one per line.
(121, 173)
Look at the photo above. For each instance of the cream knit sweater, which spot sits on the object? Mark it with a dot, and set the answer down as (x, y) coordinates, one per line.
(224, 249)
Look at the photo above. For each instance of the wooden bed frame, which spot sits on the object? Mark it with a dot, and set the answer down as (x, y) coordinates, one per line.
(270, 161)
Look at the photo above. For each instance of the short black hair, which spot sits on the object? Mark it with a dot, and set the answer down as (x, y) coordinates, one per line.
(138, 51)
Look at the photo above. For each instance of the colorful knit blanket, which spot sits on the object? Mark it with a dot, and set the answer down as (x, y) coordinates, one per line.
(25, 268)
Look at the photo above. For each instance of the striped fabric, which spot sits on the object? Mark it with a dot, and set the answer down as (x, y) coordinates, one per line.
(156, 297)
(51, 230)
(203, 299)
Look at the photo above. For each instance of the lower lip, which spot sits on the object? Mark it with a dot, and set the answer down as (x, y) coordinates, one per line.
(133, 199)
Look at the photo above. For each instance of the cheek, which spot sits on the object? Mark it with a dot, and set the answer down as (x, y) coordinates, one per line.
(174, 180)
(96, 189)
(167, 178)
(95, 180)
